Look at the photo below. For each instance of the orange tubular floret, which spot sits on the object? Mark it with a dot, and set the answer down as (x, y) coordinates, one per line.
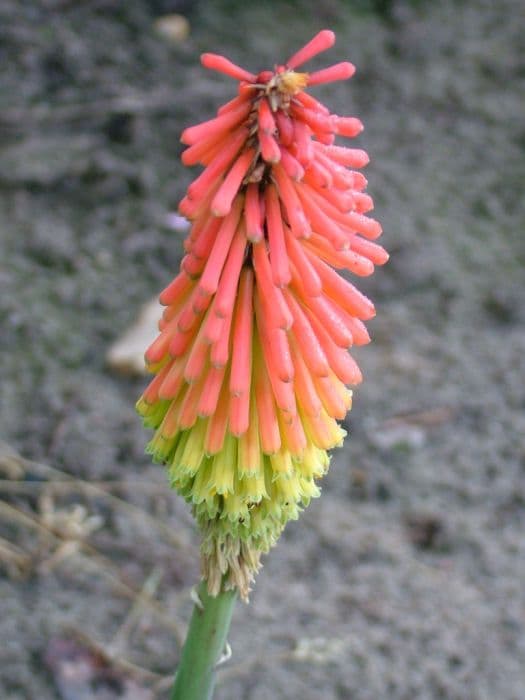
(294, 209)
(276, 364)
(309, 278)
(213, 127)
(241, 365)
(351, 157)
(322, 41)
(151, 393)
(280, 349)
(266, 119)
(342, 200)
(239, 414)
(210, 391)
(213, 328)
(320, 308)
(307, 396)
(209, 281)
(306, 339)
(188, 412)
(194, 307)
(266, 412)
(270, 150)
(334, 401)
(227, 289)
(173, 379)
(319, 430)
(293, 434)
(181, 341)
(218, 423)
(221, 64)
(350, 220)
(284, 127)
(159, 347)
(193, 209)
(252, 214)
(370, 228)
(374, 252)
(341, 178)
(222, 201)
(220, 349)
(363, 202)
(321, 223)
(204, 241)
(342, 292)
(318, 122)
(279, 314)
(341, 362)
(319, 176)
(192, 265)
(180, 286)
(170, 424)
(197, 359)
(339, 71)
(218, 164)
(303, 142)
(233, 104)
(348, 126)
(203, 151)
(274, 343)
(291, 165)
(311, 103)
(274, 227)
(359, 181)
(249, 450)
(346, 259)
(357, 328)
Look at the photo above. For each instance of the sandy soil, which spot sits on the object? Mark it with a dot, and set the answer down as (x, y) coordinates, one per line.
(405, 580)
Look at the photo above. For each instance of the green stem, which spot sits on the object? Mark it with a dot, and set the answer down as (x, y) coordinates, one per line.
(205, 642)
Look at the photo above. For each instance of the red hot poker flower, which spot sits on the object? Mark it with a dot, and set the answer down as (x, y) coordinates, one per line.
(251, 363)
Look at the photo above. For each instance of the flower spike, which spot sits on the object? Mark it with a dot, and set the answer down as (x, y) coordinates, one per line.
(251, 363)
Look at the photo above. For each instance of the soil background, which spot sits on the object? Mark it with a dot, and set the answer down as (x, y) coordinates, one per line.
(405, 580)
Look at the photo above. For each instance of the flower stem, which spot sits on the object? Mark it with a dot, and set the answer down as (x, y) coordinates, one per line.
(205, 642)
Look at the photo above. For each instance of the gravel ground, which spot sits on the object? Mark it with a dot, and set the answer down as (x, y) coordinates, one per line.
(405, 580)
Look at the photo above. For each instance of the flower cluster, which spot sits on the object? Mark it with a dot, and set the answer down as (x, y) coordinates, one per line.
(251, 364)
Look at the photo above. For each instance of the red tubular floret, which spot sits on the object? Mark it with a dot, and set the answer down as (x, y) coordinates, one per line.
(313, 354)
(339, 71)
(213, 127)
(266, 119)
(348, 126)
(218, 164)
(241, 369)
(322, 41)
(342, 292)
(374, 252)
(284, 127)
(351, 157)
(252, 213)
(275, 230)
(221, 64)
(290, 199)
(222, 201)
(270, 150)
(303, 142)
(210, 278)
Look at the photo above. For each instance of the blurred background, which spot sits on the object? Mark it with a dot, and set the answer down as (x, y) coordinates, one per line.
(405, 580)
